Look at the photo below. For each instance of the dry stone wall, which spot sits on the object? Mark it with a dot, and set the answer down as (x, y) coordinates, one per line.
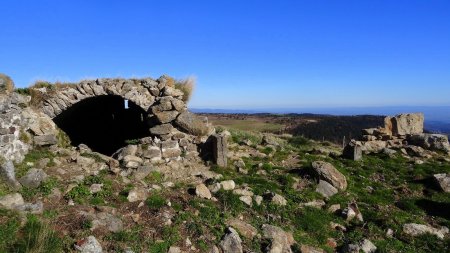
(174, 132)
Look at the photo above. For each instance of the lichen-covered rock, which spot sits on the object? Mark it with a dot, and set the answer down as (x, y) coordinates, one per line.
(33, 178)
(89, 245)
(192, 124)
(202, 191)
(419, 229)
(11, 201)
(326, 189)
(231, 242)
(375, 146)
(327, 172)
(281, 241)
(245, 229)
(228, 185)
(438, 142)
(7, 172)
(137, 194)
(443, 181)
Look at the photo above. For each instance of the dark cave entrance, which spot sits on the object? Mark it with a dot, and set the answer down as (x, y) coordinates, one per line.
(104, 123)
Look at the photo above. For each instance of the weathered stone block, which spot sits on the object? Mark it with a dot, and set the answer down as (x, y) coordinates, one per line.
(352, 151)
(161, 129)
(166, 116)
(171, 153)
(431, 141)
(192, 124)
(220, 150)
(45, 140)
(405, 124)
(152, 153)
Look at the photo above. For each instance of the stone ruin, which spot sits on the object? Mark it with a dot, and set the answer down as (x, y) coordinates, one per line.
(136, 121)
(404, 132)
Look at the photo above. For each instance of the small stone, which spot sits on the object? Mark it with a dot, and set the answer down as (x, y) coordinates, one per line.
(316, 204)
(390, 233)
(231, 242)
(228, 185)
(243, 192)
(351, 248)
(281, 241)
(367, 246)
(174, 249)
(168, 184)
(137, 194)
(326, 189)
(239, 164)
(277, 199)
(258, 200)
(310, 249)
(202, 191)
(247, 200)
(132, 161)
(215, 187)
(245, 229)
(334, 208)
(337, 226)
(142, 172)
(89, 245)
(36, 208)
(94, 188)
(33, 178)
(11, 201)
(443, 181)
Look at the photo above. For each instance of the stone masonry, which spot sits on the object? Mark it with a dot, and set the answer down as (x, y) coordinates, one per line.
(174, 132)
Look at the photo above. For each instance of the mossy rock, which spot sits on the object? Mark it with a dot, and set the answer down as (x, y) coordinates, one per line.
(6, 84)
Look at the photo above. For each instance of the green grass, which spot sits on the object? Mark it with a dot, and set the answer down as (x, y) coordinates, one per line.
(34, 236)
(44, 189)
(155, 201)
(81, 193)
(33, 156)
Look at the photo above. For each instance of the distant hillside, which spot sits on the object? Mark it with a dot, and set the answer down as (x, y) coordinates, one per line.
(312, 126)
(334, 128)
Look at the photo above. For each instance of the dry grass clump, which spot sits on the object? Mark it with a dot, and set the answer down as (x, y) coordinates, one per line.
(6, 83)
(186, 86)
(37, 93)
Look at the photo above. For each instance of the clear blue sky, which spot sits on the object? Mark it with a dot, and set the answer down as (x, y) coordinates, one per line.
(245, 54)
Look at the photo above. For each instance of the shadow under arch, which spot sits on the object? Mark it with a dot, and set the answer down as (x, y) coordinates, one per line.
(103, 123)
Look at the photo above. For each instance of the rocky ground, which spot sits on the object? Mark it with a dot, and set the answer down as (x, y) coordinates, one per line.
(276, 194)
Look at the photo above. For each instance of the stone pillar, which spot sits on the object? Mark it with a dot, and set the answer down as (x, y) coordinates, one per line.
(353, 151)
(220, 149)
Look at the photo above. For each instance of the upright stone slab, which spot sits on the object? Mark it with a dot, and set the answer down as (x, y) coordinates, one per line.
(220, 149)
(353, 151)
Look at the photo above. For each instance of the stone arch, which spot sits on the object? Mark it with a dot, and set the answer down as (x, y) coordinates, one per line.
(173, 130)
